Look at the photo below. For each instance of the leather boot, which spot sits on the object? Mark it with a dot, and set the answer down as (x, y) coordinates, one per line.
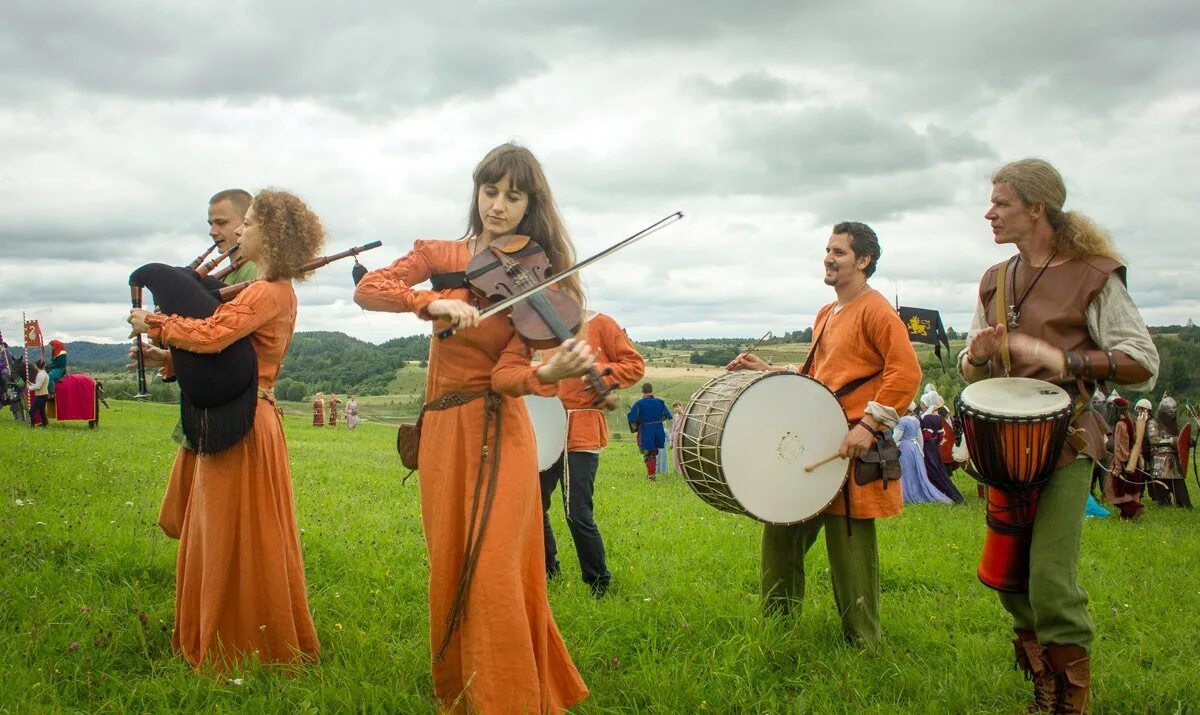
(1072, 670)
(1031, 659)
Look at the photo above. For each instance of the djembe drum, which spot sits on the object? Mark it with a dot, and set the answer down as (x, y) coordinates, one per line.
(747, 437)
(1015, 429)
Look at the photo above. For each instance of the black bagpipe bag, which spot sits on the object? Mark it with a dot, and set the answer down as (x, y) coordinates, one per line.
(218, 393)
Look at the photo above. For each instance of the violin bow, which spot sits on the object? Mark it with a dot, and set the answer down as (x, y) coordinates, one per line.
(518, 297)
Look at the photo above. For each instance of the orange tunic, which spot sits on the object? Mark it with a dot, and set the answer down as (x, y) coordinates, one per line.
(239, 584)
(586, 427)
(866, 336)
(507, 656)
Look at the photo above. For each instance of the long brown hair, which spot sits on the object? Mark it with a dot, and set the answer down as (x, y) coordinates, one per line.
(1037, 182)
(541, 222)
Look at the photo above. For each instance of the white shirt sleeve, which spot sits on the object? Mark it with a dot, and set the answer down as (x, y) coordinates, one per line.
(1115, 324)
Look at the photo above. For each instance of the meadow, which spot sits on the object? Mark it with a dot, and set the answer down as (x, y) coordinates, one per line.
(86, 595)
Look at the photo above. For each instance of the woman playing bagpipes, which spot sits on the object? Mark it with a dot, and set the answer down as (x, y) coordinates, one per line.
(495, 645)
(239, 585)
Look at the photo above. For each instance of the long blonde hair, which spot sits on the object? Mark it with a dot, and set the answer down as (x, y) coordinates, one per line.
(1038, 183)
(541, 222)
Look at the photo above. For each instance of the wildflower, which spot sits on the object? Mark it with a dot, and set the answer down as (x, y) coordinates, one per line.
(128, 503)
(238, 681)
(615, 662)
(339, 626)
(74, 646)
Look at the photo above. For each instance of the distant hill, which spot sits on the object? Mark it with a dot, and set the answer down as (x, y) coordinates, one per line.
(316, 362)
(96, 356)
(336, 362)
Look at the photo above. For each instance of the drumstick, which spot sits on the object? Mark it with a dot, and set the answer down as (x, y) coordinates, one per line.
(760, 341)
(823, 462)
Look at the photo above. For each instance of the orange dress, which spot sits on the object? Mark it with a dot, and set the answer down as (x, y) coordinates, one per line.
(507, 656)
(239, 583)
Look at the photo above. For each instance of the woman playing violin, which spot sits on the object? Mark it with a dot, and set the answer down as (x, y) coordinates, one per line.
(495, 645)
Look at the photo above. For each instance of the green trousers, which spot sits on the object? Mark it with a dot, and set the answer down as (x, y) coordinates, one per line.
(853, 568)
(1055, 608)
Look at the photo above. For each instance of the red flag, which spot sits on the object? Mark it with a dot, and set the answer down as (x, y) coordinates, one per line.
(33, 334)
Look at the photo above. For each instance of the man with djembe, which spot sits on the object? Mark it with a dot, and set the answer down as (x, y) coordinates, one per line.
(1069, 320)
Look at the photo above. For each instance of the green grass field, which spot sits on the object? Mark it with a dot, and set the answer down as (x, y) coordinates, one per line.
(86, 595)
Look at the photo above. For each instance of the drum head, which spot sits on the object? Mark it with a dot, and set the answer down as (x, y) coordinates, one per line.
(549, 427)
(776, 427)
(1015, 397)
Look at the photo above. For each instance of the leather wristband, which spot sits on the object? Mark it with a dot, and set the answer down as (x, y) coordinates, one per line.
(1103, 365)
(986, 361)
(1074, 363)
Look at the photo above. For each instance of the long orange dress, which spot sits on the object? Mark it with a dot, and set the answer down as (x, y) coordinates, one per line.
(239, 583)
(507, 656)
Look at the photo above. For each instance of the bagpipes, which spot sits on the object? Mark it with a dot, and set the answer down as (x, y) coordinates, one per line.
(218, 392)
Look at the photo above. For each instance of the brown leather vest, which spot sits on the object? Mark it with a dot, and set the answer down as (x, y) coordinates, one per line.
(1055, 311)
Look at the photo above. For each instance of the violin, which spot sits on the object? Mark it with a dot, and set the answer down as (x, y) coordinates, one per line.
(513, 265)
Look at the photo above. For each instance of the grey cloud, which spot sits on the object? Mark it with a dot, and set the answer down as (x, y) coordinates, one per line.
(377, 57)
(755, 86)
(829, 161)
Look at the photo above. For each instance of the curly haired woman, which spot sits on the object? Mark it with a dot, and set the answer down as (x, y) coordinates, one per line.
(239, 584)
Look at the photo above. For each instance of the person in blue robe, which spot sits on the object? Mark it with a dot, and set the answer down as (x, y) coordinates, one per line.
(646, 418)
(914, 482)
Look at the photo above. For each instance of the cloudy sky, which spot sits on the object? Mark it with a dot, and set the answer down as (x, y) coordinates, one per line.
(764, 122)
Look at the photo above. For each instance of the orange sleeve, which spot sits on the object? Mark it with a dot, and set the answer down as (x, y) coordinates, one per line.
(253, 308)
(901, 370)
(627, 364)
(514, 376)
(390, 289)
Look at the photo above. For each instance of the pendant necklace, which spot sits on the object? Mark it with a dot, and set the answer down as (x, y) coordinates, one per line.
(1014, 309)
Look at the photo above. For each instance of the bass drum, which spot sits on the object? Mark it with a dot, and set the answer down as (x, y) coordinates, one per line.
(549, 427)
(747, 437)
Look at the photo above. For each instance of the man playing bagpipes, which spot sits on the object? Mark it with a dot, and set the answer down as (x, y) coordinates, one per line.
(1048, 324)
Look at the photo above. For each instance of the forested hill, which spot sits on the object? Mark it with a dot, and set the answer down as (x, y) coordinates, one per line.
(316, 362)
(336, 362)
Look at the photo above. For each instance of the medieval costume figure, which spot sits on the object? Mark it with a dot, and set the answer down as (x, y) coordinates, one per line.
(318, 407)
(933, 434)
(1167, 471)
(1125, 481)
(351, 412)
(587, 436)
(862, 352)
(914, 481)
(646, 418)
(495, 646)
(240, 591)
(1058, 310)
(334, 403)
(58, 364)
